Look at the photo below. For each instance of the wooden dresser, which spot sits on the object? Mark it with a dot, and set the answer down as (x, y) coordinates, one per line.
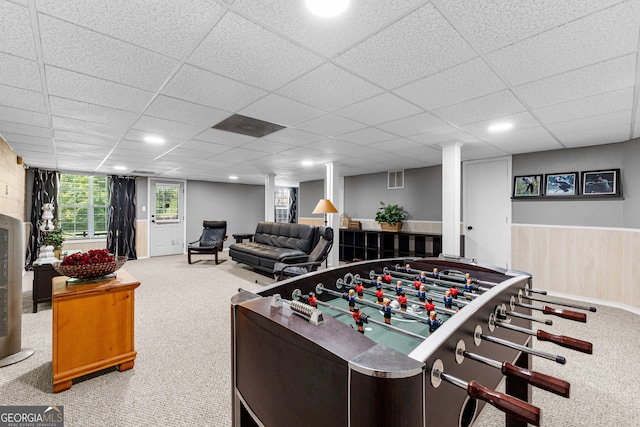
(92, 327)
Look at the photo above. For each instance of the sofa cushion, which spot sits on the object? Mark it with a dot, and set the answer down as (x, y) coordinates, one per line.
(282, 235)
(261, 250)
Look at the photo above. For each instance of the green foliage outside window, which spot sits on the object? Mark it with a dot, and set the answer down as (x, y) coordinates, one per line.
(83, 203)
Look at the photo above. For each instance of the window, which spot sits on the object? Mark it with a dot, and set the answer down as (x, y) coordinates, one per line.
(281, 204)
(83, 205)
(167, 197)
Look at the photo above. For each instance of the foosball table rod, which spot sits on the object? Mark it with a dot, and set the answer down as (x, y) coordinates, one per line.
(524, 295)
(478, 337)
(560, 312)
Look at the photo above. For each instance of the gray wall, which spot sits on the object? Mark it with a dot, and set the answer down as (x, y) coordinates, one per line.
(242, 206)
(582, 212)
(308, 195)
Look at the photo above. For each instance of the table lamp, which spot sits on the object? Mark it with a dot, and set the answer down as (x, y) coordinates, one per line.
(324, 206)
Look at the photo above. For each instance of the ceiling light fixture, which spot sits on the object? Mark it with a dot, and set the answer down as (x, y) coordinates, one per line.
(327, 8)
(120, 168)
(307, 163)
(233, 177)
(499, 127)
(154, 139)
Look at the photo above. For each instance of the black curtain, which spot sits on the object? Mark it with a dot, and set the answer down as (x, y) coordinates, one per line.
(121, 239)
(45, 190)
(292, 215)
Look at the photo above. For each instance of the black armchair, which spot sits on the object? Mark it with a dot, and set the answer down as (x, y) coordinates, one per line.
(317, 256)
(214, 234)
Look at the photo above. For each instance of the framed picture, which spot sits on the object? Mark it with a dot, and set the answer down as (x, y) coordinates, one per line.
(601, 183)
(561, 184)
(527, 186)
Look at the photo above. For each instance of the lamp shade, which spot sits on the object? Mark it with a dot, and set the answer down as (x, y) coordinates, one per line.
(324, 206)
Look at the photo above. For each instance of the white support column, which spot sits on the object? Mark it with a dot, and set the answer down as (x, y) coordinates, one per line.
(269, 197)
(451, 190)
(333, 190)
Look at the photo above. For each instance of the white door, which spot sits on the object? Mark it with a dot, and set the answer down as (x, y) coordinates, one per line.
(487, 211)
(167, 229)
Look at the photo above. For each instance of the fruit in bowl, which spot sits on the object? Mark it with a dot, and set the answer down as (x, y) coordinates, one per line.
(89, 265)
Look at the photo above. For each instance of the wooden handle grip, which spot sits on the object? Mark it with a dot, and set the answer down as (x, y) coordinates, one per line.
(565, 314)
(509, 404)
(536, 379)
(564, 341)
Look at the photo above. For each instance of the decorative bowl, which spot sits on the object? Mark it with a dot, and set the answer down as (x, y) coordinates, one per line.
(90, 271)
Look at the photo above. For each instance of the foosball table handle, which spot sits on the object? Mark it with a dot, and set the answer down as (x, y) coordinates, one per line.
(565, 314)
(515, 407)
(565, 341)
(542, 381)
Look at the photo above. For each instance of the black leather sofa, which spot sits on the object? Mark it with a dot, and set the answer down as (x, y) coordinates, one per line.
(275, 242)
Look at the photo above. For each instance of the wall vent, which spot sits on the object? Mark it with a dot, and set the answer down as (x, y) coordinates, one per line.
(395, 179)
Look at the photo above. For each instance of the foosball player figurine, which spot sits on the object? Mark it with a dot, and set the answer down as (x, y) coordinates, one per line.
(351, 297)
(423, 277)
(398, 287)
(360, 290)
(417, 283)
(407, 268)
(379, 295)
(402, 299)
(386, 311)
(454, 292)
(379, 282)
(468, 287)
(448, 300)
(311, 299)
(360, 319)
(429, 306)
(433, 322)
(387, 278)
(422, 294)
(435, 273)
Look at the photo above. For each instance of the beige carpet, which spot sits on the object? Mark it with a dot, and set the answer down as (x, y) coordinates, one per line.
(182, 374)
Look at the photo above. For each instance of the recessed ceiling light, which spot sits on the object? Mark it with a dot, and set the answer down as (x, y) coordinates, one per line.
(307, 163)
(327, 8)
(499, 127)
(154, 139)
(120, 168)
(233, 177)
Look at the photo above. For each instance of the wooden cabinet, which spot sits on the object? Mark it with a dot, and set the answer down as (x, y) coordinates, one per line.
(373, 244)
(41, 288)
(92, 327)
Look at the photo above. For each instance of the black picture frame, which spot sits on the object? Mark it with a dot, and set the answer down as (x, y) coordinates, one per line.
(601, 183)
(527, 186)
(562, 184)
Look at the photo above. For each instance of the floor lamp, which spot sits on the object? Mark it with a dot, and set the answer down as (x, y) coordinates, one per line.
(324, 206)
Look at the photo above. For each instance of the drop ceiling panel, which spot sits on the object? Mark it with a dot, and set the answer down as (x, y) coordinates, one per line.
(171, 27)
(80, 87)
(400, 144)
(24, 117)
(603, 77)
(294, 137)
(331, 145)
(420, 44)
(239, 49)
(83, 138)
(185, 112)
(588, 106)
(596, 136)
(280, 110)
(441, 135)
(266, 146)
(19, 72)
(90, 112)
(523, 141)
(203, 87)
(574, 45)
(379, 109)
(205, 147)
(16, 139)
(329, 88)
(479, 150)
(520, 121)
(225, 138)
(330, 125)
(163, 127)
(484, 108)
(8, 127)
(90, 128)
(33, 148)
(591, 123)
(16, 36)
(21, 98)
(139, 136)
(367, 136)
(414, 125)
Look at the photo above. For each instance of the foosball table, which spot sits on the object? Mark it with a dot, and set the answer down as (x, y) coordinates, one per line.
(394, 342)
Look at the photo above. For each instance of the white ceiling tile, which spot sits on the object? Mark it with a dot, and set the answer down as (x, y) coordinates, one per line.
(596, 136)
(295, 137)
(519, 121)
(31, 148)
(329, 88)
(484, 108)
(330, 125)
(90, 128)
(606, 76)
(379, 109)
(154, 150)
(280, 110)
(608, 120)
(91, 112)
(16, 36)
(167, 27)
(400, 144)
(185, 112)
(496, 23)
(239, 155)
(420, 44)
(206, 88)
(440, 135)
(328, 37)
(457, 84)
(83, 138)
(239, 49)
(523, 141)
(573, 45)
(14, 138)
(331, 145)
(167, 127)
(19, 72)
(66, 46)
(588, 106)
(67, 84)
(21, 98)
(205, 147)
(266, 146)
(480, 150)
(413, 125)
(367, 136)
(8, 127)
(24, 117)
(224, 137)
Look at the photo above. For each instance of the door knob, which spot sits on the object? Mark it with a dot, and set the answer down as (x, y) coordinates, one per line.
(469, 228)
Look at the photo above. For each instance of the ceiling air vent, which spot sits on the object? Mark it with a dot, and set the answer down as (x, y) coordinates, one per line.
(247, 126)
(395, 179)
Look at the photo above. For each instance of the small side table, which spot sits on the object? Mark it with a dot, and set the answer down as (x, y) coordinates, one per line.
(43, 274)
(241, 236)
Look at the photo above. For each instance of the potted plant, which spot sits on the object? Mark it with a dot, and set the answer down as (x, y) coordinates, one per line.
(56, 239)
(390, 217)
